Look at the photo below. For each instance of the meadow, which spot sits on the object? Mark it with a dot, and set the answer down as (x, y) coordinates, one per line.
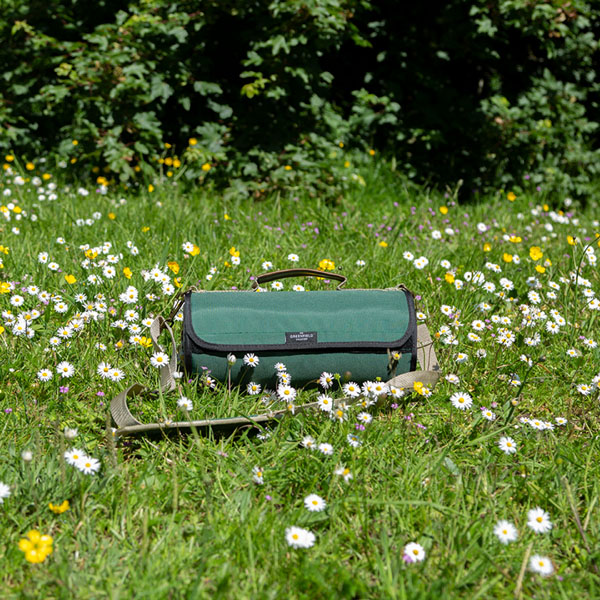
(485, 486)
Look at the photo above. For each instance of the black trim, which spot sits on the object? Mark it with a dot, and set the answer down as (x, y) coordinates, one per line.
(208, 348)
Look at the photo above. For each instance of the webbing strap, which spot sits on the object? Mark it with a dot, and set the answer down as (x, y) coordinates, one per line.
(127, 424)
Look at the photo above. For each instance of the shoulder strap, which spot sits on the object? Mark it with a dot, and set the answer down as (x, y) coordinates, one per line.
(127, 424)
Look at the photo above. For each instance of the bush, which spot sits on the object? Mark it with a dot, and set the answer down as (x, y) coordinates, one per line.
(255, 96)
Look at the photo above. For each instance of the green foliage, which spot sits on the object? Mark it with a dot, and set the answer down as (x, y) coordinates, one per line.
(478, 91)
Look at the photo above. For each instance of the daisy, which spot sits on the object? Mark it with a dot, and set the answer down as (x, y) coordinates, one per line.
(414, 552)
(104, 370)
(338, 415)
(561, 421)
(280, 367)
(293, 257)
(507, 445)
(87, 465)
(506, 532)
(258, 475)
(4, 492)
(73, 455)
(159, 360)
(44, 374)
(314, 503)
(326, 380)
(185, 404)
(325, 448)
(539, 520)
(286, 392)
(325, 403)
(353, 440)
(65, 369)
(351, 389)
(70, 433)
(297, 537)
(253, 388)
(584, 389)
(364, 417)
(277, 286)
(344, 472)
(461, 400)
(541, 564)
(116, 374)
(308, 442)
(452, 378)
(488, 414)
(251, 360)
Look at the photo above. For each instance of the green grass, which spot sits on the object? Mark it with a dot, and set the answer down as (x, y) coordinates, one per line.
(181, 517)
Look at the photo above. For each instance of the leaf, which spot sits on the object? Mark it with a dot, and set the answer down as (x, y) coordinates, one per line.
(205, 88)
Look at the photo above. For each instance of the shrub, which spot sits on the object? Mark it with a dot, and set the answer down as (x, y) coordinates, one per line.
(254, 96)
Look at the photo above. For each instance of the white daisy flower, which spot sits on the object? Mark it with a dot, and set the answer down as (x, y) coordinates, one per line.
(314, 503)
(414, 552)
(87, 465)
(251, 360)
(541, 564)
(325, 448)
(506, 532)
(461, 400)
(297, 537)
(539, 520)
(185, 404)
(507, 445)
(4, 492)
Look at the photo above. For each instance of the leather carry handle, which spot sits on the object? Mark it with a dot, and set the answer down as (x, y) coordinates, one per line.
(284, 273)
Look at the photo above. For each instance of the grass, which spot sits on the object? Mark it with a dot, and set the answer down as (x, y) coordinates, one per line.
(181, 517)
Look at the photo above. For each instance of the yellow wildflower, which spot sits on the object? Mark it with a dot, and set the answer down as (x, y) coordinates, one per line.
(70, 279)
(233, 251)
(59, 508)
(30, 166)
(507, 257)
(127, 272)
(487, 247)
(145, 342)
(572, 241)
(174, 266)
(227, 217)
(535, 252)
(449, 277)
(444, 210)
(372, 152)
(37, 547)
(511, 196)
(288, 167)
(112, 216)
(9, 158)
(145, 229)
(206, 167)
(383, 244)
(192, 141)
(91, 254)
(150, 188)
(195, 251)
(326, 265)
(540, 269)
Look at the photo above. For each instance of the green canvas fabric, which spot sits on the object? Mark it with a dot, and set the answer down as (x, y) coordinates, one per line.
(351, 332)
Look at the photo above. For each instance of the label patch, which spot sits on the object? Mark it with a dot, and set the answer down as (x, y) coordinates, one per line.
(300, 337)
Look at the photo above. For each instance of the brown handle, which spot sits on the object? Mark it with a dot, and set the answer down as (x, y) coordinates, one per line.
(272, 275)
